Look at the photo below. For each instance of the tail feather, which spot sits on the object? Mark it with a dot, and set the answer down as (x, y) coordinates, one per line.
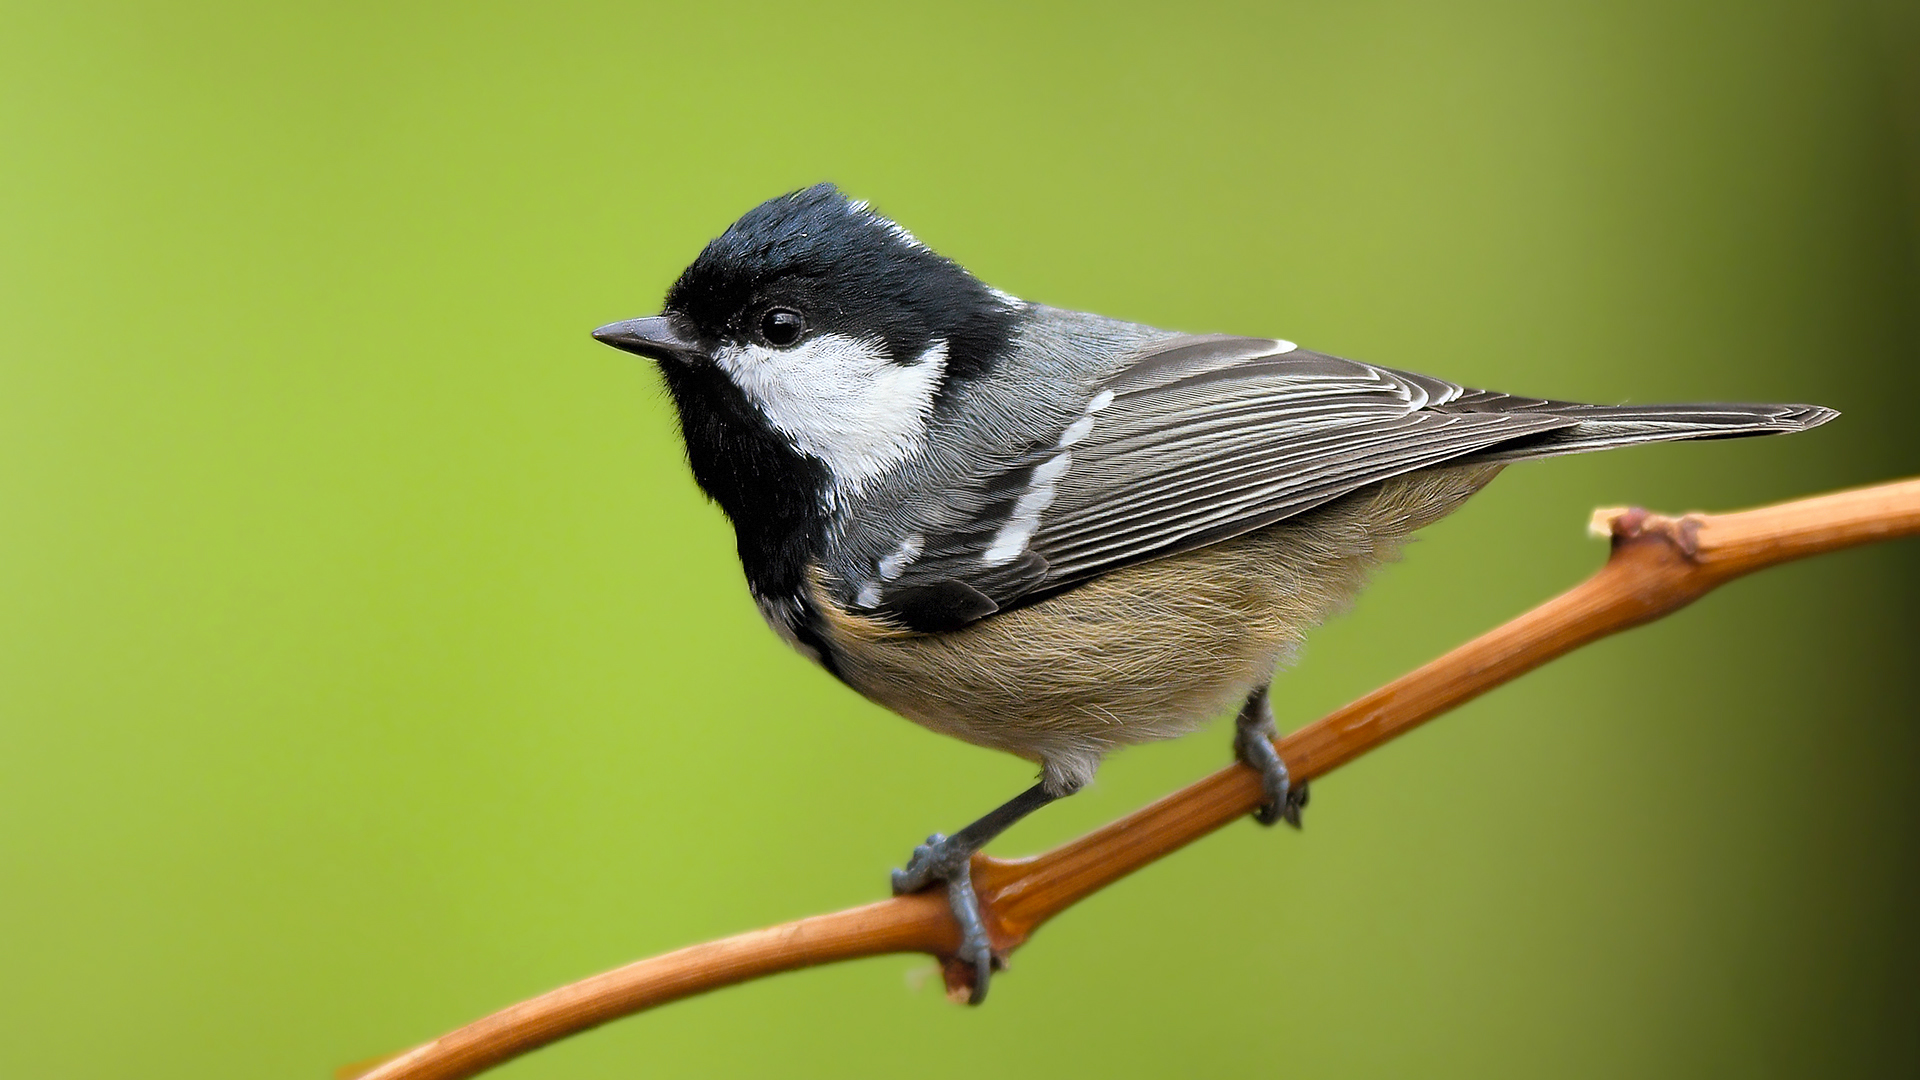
(1603, 427)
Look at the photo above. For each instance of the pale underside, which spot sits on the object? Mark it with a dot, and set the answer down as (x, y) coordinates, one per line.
(1148, 652)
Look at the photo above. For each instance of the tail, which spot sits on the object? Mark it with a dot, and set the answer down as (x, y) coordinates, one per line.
(1603, 427)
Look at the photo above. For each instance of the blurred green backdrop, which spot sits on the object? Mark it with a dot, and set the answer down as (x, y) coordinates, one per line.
(368, 660)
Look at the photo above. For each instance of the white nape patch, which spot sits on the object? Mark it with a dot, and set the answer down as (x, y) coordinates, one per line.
(842, 400)
(896, 564)
(901, 234)
(859, 207)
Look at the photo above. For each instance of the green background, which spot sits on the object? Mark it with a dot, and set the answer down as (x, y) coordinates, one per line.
(368, 660)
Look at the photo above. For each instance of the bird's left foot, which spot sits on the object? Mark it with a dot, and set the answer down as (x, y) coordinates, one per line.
(1253, 735)
(948, 860)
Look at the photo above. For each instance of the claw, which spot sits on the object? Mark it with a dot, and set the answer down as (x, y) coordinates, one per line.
(1284, 800)
(949, 860)
(1253, 735)
(942, 860)
(923, 868)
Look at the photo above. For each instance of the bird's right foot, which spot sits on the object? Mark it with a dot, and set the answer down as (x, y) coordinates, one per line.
(1253, 736)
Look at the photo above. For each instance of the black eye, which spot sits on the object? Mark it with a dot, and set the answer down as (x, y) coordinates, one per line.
(782, 327)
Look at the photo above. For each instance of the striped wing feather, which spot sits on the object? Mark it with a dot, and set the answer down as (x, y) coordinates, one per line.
(1207, 438)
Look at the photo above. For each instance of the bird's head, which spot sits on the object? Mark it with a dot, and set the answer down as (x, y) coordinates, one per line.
(836, 325)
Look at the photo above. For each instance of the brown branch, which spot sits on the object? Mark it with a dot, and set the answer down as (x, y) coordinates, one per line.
(1658, 565)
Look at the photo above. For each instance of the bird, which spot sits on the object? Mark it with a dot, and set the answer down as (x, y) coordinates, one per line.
(1051, 532)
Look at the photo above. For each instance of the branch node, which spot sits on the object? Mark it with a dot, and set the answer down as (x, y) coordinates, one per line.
(1624, 524)
(1601, 525)
(959, 979)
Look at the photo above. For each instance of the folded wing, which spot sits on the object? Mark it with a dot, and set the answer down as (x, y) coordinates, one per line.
(1208, 438)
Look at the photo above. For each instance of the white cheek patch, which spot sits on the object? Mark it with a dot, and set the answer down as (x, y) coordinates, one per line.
(842, 400)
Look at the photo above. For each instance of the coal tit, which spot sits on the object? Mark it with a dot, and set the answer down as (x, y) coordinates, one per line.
(1055, 533)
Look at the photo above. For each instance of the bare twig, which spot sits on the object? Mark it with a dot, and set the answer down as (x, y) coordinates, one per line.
(1658, 565)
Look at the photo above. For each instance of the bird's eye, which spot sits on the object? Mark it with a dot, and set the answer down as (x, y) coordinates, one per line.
(782, 327)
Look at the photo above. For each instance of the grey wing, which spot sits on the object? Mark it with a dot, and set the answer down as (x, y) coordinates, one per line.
(1201, 439)
(1198, 440)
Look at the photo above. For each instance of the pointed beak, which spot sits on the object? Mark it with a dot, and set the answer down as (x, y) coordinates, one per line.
(654, 337)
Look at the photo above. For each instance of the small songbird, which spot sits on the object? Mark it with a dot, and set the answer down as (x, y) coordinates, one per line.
(1055, 533)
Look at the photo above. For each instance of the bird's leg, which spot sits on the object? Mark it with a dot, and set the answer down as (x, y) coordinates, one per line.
(948, 860)
(1253, 735)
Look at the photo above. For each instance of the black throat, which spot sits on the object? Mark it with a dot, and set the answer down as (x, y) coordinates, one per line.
(774, 495)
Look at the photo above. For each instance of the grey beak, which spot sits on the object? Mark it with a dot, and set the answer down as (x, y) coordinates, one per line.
(654, 337)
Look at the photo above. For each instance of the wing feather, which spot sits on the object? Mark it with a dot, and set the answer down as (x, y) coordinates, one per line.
(1203, 438)
(1199, 440)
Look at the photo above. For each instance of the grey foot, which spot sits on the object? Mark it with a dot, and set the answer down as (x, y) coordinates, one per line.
(1253, 745)
(946, 860)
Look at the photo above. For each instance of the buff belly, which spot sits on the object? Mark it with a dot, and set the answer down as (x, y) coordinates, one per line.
(1148, 652)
